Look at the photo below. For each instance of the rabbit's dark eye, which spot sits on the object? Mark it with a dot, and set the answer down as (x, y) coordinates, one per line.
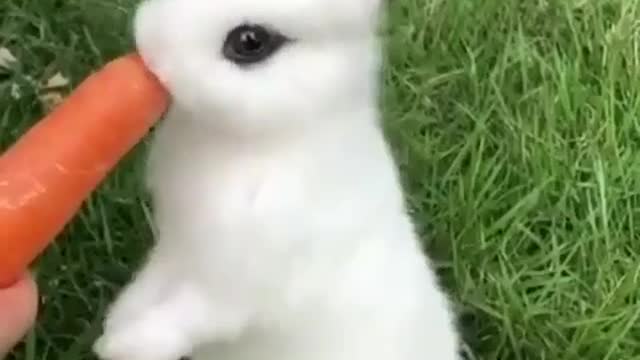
(250, 44)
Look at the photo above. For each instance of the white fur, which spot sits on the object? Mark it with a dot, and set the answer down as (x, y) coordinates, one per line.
(283, 233)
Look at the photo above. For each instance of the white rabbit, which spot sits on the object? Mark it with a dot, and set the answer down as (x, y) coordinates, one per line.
(282, 227)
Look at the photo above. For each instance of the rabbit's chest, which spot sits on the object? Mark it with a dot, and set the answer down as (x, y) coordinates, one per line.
(256, 189)
(232, 192)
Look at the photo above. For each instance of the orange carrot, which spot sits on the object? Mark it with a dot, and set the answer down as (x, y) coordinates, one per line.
(46, 176)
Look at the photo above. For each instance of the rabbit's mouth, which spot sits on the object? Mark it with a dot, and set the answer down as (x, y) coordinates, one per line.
(157, 70)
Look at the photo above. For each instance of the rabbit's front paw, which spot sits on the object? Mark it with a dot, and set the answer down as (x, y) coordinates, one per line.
(123, 313)
(142, 339)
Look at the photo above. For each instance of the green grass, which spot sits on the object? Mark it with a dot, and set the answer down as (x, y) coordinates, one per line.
(516, 126)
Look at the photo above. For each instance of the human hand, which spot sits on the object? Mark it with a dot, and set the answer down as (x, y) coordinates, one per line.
(18, 309)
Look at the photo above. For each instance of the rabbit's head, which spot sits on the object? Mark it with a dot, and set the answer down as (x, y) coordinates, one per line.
(260, 64)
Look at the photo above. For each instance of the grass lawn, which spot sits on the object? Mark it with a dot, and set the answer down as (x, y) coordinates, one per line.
(516, 126)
